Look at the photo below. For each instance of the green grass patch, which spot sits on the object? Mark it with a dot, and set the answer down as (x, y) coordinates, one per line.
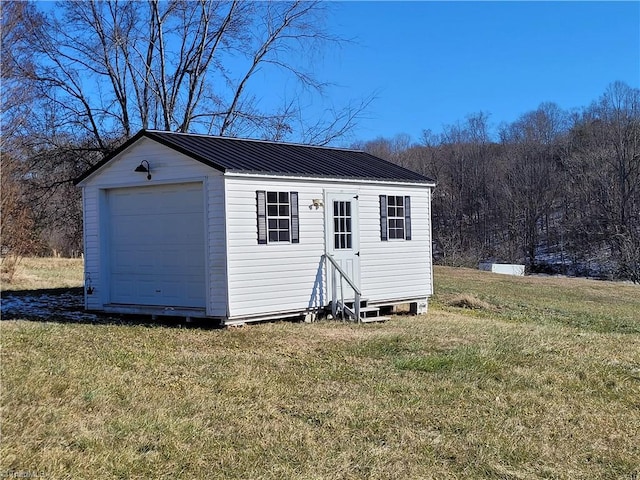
(461, 360)
(594, 305)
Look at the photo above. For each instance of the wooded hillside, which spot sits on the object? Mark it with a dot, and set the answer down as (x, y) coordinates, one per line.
(557, 190)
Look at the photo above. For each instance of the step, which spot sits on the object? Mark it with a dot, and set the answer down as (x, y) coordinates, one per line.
(363, 310)
(374, 319)
(369, 309)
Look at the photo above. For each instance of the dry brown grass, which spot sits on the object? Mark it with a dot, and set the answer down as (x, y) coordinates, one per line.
(468, 301)
(437, 396)
(44, 273)
(453, 394)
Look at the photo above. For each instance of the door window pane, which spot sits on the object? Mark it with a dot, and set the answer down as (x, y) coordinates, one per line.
(342, 237)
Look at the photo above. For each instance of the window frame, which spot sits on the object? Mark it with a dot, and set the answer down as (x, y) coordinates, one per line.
(395, 218)
(280, 207)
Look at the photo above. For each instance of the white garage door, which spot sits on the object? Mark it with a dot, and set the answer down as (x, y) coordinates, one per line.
(156, 245)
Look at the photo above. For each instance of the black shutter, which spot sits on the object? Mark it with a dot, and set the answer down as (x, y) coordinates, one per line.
(383, 218)
(407, 218)
(261, 206)
(295, 220)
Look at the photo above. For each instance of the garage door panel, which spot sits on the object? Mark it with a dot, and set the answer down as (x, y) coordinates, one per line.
(192, 290)
(157, 246)
(147, 288)
(123, 288)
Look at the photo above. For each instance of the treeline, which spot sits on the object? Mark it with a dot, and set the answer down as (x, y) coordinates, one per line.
(558, 191)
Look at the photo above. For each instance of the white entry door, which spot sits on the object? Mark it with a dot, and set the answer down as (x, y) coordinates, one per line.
(343, 239)
(157, 245)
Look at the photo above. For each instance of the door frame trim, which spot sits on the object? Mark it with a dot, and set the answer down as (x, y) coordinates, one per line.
(328, 227)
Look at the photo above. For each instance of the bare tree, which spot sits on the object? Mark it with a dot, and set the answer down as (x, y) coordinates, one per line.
(559, 191)
(17, 98)
(619, 110)
(19, 237)
(81, 78)
(605, 179)
(533, 172)
(462, 204)
(110, 67)
(17, 223)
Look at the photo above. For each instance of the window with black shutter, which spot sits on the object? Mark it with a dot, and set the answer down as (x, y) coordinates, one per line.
(395, 217)
(278, 219)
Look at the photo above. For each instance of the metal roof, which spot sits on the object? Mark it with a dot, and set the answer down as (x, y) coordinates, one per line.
(272, 158)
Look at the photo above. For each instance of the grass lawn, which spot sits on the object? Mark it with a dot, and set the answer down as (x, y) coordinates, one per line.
(541, 379)
(42, 273)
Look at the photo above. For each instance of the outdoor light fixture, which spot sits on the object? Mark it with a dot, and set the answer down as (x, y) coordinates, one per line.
(141, 168)
(316, 202)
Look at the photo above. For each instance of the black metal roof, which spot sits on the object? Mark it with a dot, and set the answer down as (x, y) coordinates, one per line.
(271, 158)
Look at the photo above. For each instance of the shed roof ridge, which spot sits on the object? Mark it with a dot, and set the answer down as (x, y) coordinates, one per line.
(293, 144)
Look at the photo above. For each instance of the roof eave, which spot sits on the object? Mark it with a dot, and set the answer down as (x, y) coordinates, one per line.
(261, 174)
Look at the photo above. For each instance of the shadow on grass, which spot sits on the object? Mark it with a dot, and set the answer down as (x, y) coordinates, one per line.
(66, 305)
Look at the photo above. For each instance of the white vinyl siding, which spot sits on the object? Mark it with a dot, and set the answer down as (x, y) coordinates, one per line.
(92, 272)
(278, 276)
(282, 276)
(216, 214)
(394, 270)
(167, 166)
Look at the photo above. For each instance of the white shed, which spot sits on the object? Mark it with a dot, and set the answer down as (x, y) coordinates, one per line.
(502, 268)
(239, 230)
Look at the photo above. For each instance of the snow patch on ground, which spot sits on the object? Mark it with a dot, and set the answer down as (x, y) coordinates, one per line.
(67, 306)
(59, 306)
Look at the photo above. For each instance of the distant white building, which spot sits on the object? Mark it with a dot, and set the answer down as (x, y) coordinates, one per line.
(503, 268)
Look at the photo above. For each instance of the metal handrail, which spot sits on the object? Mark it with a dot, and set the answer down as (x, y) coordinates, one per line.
(356, 290)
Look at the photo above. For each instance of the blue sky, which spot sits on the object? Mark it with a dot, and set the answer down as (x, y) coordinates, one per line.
(433, 63)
